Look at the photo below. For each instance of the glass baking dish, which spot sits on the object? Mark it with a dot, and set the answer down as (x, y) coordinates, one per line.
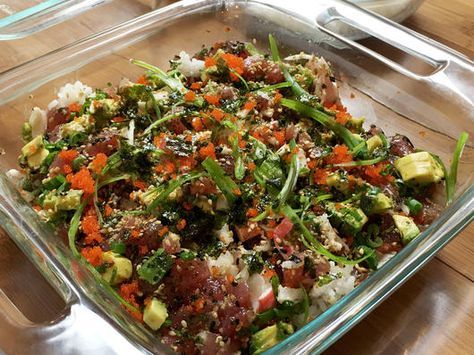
(432, 108)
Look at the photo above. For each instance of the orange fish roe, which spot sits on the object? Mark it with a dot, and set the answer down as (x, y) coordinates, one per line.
(280, 136)
(91, 227)
(135, 233)
(197, 124)
(93, 255)
(320, 176)
(277, 98)
(163, 231)
(340, 154)
(235, 63)
(252, 212)
(212, 99)
(65, 160)
(342, 116)
(129, 291)
(250, 105)
(190, 96)
(185, 164)
(140, 184)
(181, 224)
(99, 163)
(209, 62)
(196, 86)
(143, 249)
(208, 151)
(108, 211)
(251, 166)
(160, 140)
(82, 180)
(373, 174)
(268, 273)
(142, 80)
(166, 166)
(74, 107)
(217, 114)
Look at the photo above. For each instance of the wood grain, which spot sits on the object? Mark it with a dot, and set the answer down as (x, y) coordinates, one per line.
(433, 313)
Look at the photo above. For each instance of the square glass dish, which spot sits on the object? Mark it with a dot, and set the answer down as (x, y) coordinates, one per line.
(431, 105)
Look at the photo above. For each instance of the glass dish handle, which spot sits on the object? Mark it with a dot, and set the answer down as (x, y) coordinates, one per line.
(39, 17)
(448, 65)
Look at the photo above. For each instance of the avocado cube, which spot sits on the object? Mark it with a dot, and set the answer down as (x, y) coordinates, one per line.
(373, 143)
(155, 314)
(407, 228)
(347, 218)
(70, 201)
(120, 268)
(34, 152)
(266, 338)
(338, 181)
(419, 168)
(375, 202)
(356, 122)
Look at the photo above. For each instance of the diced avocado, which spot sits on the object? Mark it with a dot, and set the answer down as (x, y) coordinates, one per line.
(120, 268)
(70, 201)
(419, 168)
(374, 202)
(338, 181)
(267, 337)
(373, 143)
(34, 152)
(155, 314)
(407, 228)
(26, 132)
(356, 122)
(103, 110)
(348, 218)
(78, 124)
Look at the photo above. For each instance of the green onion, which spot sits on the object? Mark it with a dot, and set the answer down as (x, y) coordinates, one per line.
(118, 247)
(321, 198)
(113, 179)
(453, 170)
(74, 227)
(414, 206)
(163, 120)
(224, 182)
(239, 169)
(173, 185)
(251, 49)
(349, 139)
(282, 85)
(261, 216)
(172, 82)
(292, 177)
(295, 87)
(312, 243)
(361, 162)
(240, 78)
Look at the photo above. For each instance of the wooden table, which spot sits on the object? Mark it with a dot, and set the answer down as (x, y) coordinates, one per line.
(433, 313)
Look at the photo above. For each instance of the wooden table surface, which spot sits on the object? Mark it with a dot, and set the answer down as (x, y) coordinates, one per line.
(433, 313)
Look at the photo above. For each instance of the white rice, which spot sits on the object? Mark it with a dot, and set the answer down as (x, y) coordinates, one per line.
(289, 294)
(190, 67)
(325, 296)
(70, 93)
(38, 121)
(225, 264)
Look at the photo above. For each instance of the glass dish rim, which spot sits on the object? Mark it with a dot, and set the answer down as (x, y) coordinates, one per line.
(438, 239)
